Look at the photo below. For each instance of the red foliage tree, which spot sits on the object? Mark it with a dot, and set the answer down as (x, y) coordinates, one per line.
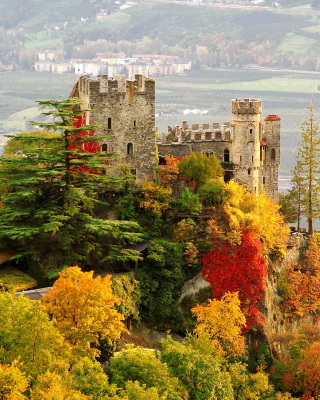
(241, 268)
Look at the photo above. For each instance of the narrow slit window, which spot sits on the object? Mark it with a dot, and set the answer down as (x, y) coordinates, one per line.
(129, 149)
(105, 147)
(109, 123)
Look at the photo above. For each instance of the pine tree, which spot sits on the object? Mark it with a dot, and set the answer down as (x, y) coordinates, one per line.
(51, 193)
(308, 167)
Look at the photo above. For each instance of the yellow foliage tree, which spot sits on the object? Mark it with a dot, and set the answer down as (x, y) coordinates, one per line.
(51, 386)
(259, 213)
(13, 382)
(155, 197)
(83, 307)
(223, 321)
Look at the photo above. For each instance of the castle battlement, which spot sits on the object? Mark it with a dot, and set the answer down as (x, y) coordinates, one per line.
(109, 87)
(246, 106)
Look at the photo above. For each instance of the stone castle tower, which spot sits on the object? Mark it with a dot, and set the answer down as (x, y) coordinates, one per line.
(124, 110)
(248, 150)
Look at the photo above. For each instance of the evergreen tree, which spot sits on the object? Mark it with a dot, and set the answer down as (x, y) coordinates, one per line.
(307, 174)
(51, 193)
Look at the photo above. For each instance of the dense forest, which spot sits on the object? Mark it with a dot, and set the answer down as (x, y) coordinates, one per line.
(250, 333)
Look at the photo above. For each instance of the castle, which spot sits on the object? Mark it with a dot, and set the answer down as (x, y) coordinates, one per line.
(125, 111)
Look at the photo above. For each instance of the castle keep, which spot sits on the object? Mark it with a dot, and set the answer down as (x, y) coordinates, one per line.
(125, 111)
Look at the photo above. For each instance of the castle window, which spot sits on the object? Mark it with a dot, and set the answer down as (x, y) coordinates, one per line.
(273, 154)
(104, 147)
(133, 171)
(135, 123)
(130, 149)
(251, 158)
(208, 135)
(250, 131)
(109, 123)
(218, 136)
(264, 180)
(249, 171)
(240, 159)
(226, 155)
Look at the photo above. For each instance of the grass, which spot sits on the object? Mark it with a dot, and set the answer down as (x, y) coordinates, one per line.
(296, 44)
(16, 280)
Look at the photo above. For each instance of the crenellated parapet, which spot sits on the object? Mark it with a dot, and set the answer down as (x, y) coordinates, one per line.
(246, 106)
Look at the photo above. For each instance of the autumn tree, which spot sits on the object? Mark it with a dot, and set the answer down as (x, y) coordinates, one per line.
(199, 168)
(168, 173)
(223, 321)
(137, 364)
(198, 367)
(238, 268)
(308, 159)
(259, 214)
(26, 332)
(52, 183)
(13, 382)
(83, 307)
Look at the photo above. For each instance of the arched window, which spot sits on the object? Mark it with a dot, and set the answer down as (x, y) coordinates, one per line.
(273, 154)
(249, 171)
(104, 147)
(129, 149)
(226, 155)
(109, 123)
(135, 123)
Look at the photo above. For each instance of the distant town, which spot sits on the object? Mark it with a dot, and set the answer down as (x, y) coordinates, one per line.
(138, 64)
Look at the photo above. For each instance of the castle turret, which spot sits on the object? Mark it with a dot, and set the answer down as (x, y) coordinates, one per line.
(246, 142)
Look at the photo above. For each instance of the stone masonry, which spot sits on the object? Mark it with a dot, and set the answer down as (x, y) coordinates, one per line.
(124, 110)
(248, 150)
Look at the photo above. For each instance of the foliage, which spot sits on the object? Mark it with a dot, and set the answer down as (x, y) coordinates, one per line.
(16, 280)
(289, 206)
(223, 321)
(239, 268)
(198, 367)
(13, 382)
(51, 386)
(83, 307)
(257, 213)
(127, 205)
(199, 168)
(249, 386)
(307, 174)
(89, 377)
(160, 283)
(212, 192)
(27, 332)
(186, 230)
(48, 212)
(155, 198)
(136, 364)
(127, 288)
(169, 172)
(190, 202)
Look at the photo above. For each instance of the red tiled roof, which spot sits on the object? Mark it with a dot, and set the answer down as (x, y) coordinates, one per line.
(272, 117)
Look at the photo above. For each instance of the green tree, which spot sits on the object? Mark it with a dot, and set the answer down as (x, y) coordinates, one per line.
(198, 367)
(308, 170)
(137, 364)
(26, 332)
(199, 168)
(49, 210)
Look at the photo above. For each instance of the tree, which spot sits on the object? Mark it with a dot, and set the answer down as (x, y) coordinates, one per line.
(238, 268)
(13, 382)
(308, 161)
(223, 321)
(199, 168)
(198, 367)
(48, 211)
(137, 364)
(83, 307)
(26, 332)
